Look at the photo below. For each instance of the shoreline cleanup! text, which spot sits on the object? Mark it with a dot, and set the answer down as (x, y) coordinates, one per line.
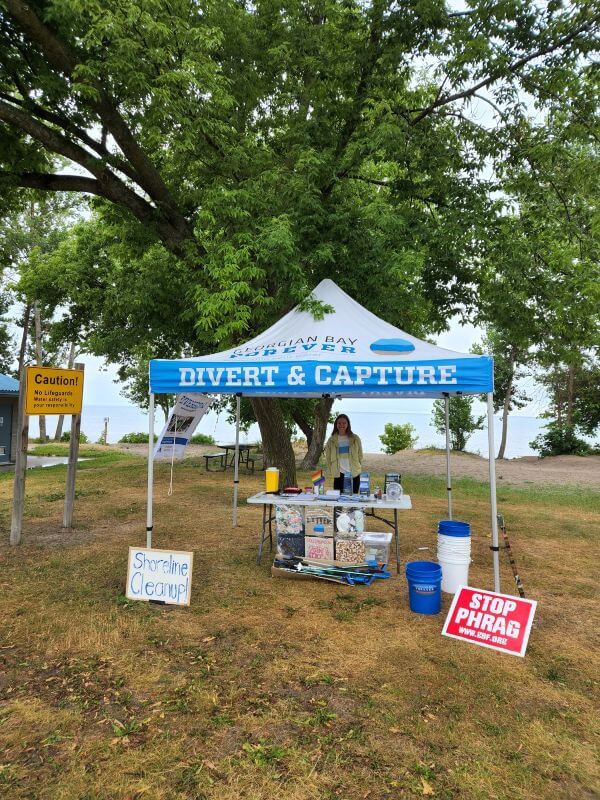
(161, 576)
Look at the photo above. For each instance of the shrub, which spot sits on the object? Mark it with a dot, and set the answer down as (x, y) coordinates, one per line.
(559, 441)
(136, 438)
(66, 437)
(461, 421)
(397, 437)
(201, 438)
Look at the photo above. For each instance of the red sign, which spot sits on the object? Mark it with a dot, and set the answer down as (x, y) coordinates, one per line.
(498, 621)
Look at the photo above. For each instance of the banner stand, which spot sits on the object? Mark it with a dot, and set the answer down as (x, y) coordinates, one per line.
(150, 470)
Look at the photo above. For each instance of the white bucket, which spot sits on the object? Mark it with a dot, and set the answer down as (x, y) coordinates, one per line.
(460, 554)
(454, 552)
(446, 548)
(451, 556)
(454, 542)
(455, 573)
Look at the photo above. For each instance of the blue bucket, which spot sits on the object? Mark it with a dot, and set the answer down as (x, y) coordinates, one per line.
(424, 587)
(454, 527)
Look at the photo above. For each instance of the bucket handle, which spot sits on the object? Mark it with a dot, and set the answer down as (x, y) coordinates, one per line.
(416, 550)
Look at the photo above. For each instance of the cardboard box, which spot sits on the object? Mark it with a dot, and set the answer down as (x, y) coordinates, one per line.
(318, 547)
(318, 515)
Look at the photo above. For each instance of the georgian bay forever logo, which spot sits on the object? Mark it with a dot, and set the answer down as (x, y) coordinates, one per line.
(322, 344)
(298, 346)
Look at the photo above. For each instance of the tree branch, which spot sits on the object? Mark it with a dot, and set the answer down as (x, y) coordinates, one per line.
(60, 57)
(50, 182)
(512, 68)
(66, 124)
(118, 194)
(51, 138)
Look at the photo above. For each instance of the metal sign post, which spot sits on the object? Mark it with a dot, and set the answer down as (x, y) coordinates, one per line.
(16, 525)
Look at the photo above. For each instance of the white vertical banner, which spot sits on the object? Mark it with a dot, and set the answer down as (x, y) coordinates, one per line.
(183, 419)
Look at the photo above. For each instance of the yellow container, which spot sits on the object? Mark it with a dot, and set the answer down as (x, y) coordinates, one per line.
(272, 479)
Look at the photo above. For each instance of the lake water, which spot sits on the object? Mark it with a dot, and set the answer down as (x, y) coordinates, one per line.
(369, 424)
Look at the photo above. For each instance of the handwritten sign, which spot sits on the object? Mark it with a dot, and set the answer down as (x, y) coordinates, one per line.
(53, 391)
(164, 576)
(498, 621)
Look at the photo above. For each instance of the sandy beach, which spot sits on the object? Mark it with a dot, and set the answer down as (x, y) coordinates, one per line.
(554, 470)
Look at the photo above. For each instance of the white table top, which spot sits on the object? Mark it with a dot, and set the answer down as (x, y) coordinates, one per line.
(263, 498)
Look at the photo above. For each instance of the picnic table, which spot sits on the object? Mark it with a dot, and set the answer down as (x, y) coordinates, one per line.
(229, 450)
(225, 457)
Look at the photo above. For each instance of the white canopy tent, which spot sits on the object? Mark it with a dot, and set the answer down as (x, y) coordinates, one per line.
(348, 353)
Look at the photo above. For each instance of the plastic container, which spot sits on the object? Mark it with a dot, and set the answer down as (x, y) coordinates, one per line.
(289, 520)
(424, 587)
(377, 546)
(271, 479)
(364, 484)
(289, 546)
(347, 483)
(391, 477)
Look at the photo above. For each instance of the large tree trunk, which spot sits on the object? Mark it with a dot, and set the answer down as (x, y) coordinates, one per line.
(61, 417)
(506, 407)
(315, 447)
(277, 448)
(38, 357)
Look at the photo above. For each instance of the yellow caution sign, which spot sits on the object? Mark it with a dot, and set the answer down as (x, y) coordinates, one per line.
(53, 391)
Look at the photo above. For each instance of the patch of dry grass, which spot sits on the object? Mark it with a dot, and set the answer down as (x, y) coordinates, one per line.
(270, 688)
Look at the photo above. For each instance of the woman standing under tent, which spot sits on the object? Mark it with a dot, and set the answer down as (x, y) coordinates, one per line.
(343, 454)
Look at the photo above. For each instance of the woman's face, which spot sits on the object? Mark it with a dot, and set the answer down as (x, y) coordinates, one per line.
(342, 425)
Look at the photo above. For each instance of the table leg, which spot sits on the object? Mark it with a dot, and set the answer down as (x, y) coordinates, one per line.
(397, 545)
(263, 532)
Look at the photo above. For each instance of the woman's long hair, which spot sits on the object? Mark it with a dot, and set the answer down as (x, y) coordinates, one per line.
(342, 416)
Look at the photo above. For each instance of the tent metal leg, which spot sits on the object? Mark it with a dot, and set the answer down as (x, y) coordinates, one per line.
(397, 544)
(150, 470)
(493, 504)
(448, 476)
(236, 460)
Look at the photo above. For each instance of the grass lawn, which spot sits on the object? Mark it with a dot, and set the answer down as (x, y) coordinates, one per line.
(267, 688)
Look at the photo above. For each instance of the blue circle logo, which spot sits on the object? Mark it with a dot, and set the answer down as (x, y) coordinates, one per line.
(392, 347)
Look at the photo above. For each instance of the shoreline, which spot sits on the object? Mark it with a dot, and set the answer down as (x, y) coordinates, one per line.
(583, 471)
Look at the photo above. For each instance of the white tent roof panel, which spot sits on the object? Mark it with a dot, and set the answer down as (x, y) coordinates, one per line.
(348, 353)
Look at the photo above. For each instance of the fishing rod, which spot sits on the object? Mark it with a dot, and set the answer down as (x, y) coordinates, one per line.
(507, 547)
